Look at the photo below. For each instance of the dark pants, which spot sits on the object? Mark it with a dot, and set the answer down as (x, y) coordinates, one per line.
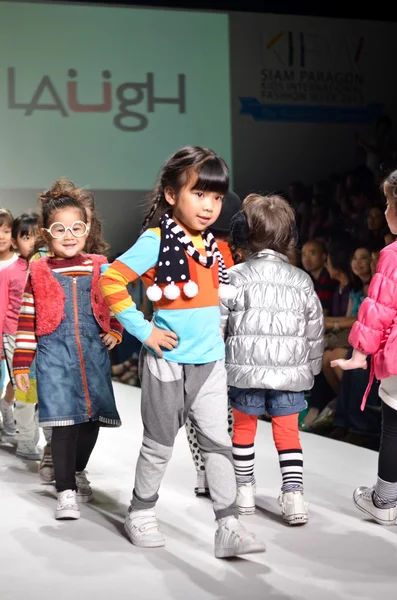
(348, 412)
(71, 448)
(321, 393)
(129, 347)
(387, 465)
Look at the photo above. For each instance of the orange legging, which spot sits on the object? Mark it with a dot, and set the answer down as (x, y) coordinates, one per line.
(285, 430)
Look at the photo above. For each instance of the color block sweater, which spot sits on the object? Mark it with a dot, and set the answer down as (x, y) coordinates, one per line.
(196, 321)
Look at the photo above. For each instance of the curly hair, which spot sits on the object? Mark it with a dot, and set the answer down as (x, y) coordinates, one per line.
(95, 242)
(64, 194)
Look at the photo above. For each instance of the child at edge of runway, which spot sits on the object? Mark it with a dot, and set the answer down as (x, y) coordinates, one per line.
(274, 330)
(63, 315)
(7, 257)
(12, 285)
(375, 333)
(182, 369)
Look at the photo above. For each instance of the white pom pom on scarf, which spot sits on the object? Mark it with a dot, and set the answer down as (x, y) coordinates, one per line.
(190, 289)
(172, 291)
(154, 293)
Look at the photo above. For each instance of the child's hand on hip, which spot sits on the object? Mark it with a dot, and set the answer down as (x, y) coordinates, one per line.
(22, 382)
(161, 338)
(109, 340)
(357, 361)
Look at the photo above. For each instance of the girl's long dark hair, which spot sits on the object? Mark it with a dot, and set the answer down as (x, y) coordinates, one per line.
(210, 170)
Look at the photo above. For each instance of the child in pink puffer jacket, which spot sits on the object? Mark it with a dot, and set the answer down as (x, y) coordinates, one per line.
(375, 332)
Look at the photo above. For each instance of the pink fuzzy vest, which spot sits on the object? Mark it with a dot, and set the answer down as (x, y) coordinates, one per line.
(50, 300)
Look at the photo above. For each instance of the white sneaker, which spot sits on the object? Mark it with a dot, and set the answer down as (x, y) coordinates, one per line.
(246, 499)
(294, 508)
(84, 491)
(143, 529)
(28, 451)
(7, 412)
(46, 467)
(233, 539)
(67, 507)
(363, 499)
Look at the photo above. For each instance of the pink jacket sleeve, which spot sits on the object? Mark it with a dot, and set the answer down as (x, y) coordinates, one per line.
(379, 309)
(3, 301)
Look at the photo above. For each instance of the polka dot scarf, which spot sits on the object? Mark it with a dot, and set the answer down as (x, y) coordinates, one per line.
(173, 265)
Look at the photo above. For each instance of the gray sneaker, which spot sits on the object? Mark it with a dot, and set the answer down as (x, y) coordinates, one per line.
(233, 539)
(363, 499)
(84, 491)
(46, 467)
(7, 412)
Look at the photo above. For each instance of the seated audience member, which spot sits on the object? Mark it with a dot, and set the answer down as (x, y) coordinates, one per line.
(360, 175)
(353, 278)
(375, 254)
(314, 256)
(361, 200)
(352, 425)
(376, 224)
(320, 221)
(338, 326)
(339, 269)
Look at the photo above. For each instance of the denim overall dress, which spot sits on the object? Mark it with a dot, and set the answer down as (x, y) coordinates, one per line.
(72, 364)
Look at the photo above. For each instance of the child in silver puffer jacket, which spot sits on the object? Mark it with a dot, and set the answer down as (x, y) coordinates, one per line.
(274, 345)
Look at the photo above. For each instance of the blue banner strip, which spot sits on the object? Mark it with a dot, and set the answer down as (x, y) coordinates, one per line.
(310, 113)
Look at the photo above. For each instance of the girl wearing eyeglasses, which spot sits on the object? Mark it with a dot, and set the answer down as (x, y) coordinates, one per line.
(95, 244)
(65, 324)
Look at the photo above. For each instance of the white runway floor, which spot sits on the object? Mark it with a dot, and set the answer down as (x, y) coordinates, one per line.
(339, 554)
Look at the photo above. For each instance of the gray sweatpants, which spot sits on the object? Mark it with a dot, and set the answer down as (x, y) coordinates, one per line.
(172, 392)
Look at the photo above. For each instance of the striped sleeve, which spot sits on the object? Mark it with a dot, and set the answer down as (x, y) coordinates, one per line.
(26, 341)
(127, 268)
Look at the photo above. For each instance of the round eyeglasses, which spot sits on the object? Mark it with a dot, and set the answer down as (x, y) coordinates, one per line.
(58, 230)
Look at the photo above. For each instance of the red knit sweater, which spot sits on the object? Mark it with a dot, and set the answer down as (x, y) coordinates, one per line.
(43, 304)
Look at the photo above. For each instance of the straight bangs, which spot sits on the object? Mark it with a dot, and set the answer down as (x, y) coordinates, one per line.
(26, 224)
(212, 176)
(28, 230)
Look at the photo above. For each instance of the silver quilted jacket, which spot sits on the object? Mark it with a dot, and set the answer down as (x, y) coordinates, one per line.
(274, 326)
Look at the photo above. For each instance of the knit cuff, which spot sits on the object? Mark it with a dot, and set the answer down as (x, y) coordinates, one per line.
(21, 371)
(117, 335)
